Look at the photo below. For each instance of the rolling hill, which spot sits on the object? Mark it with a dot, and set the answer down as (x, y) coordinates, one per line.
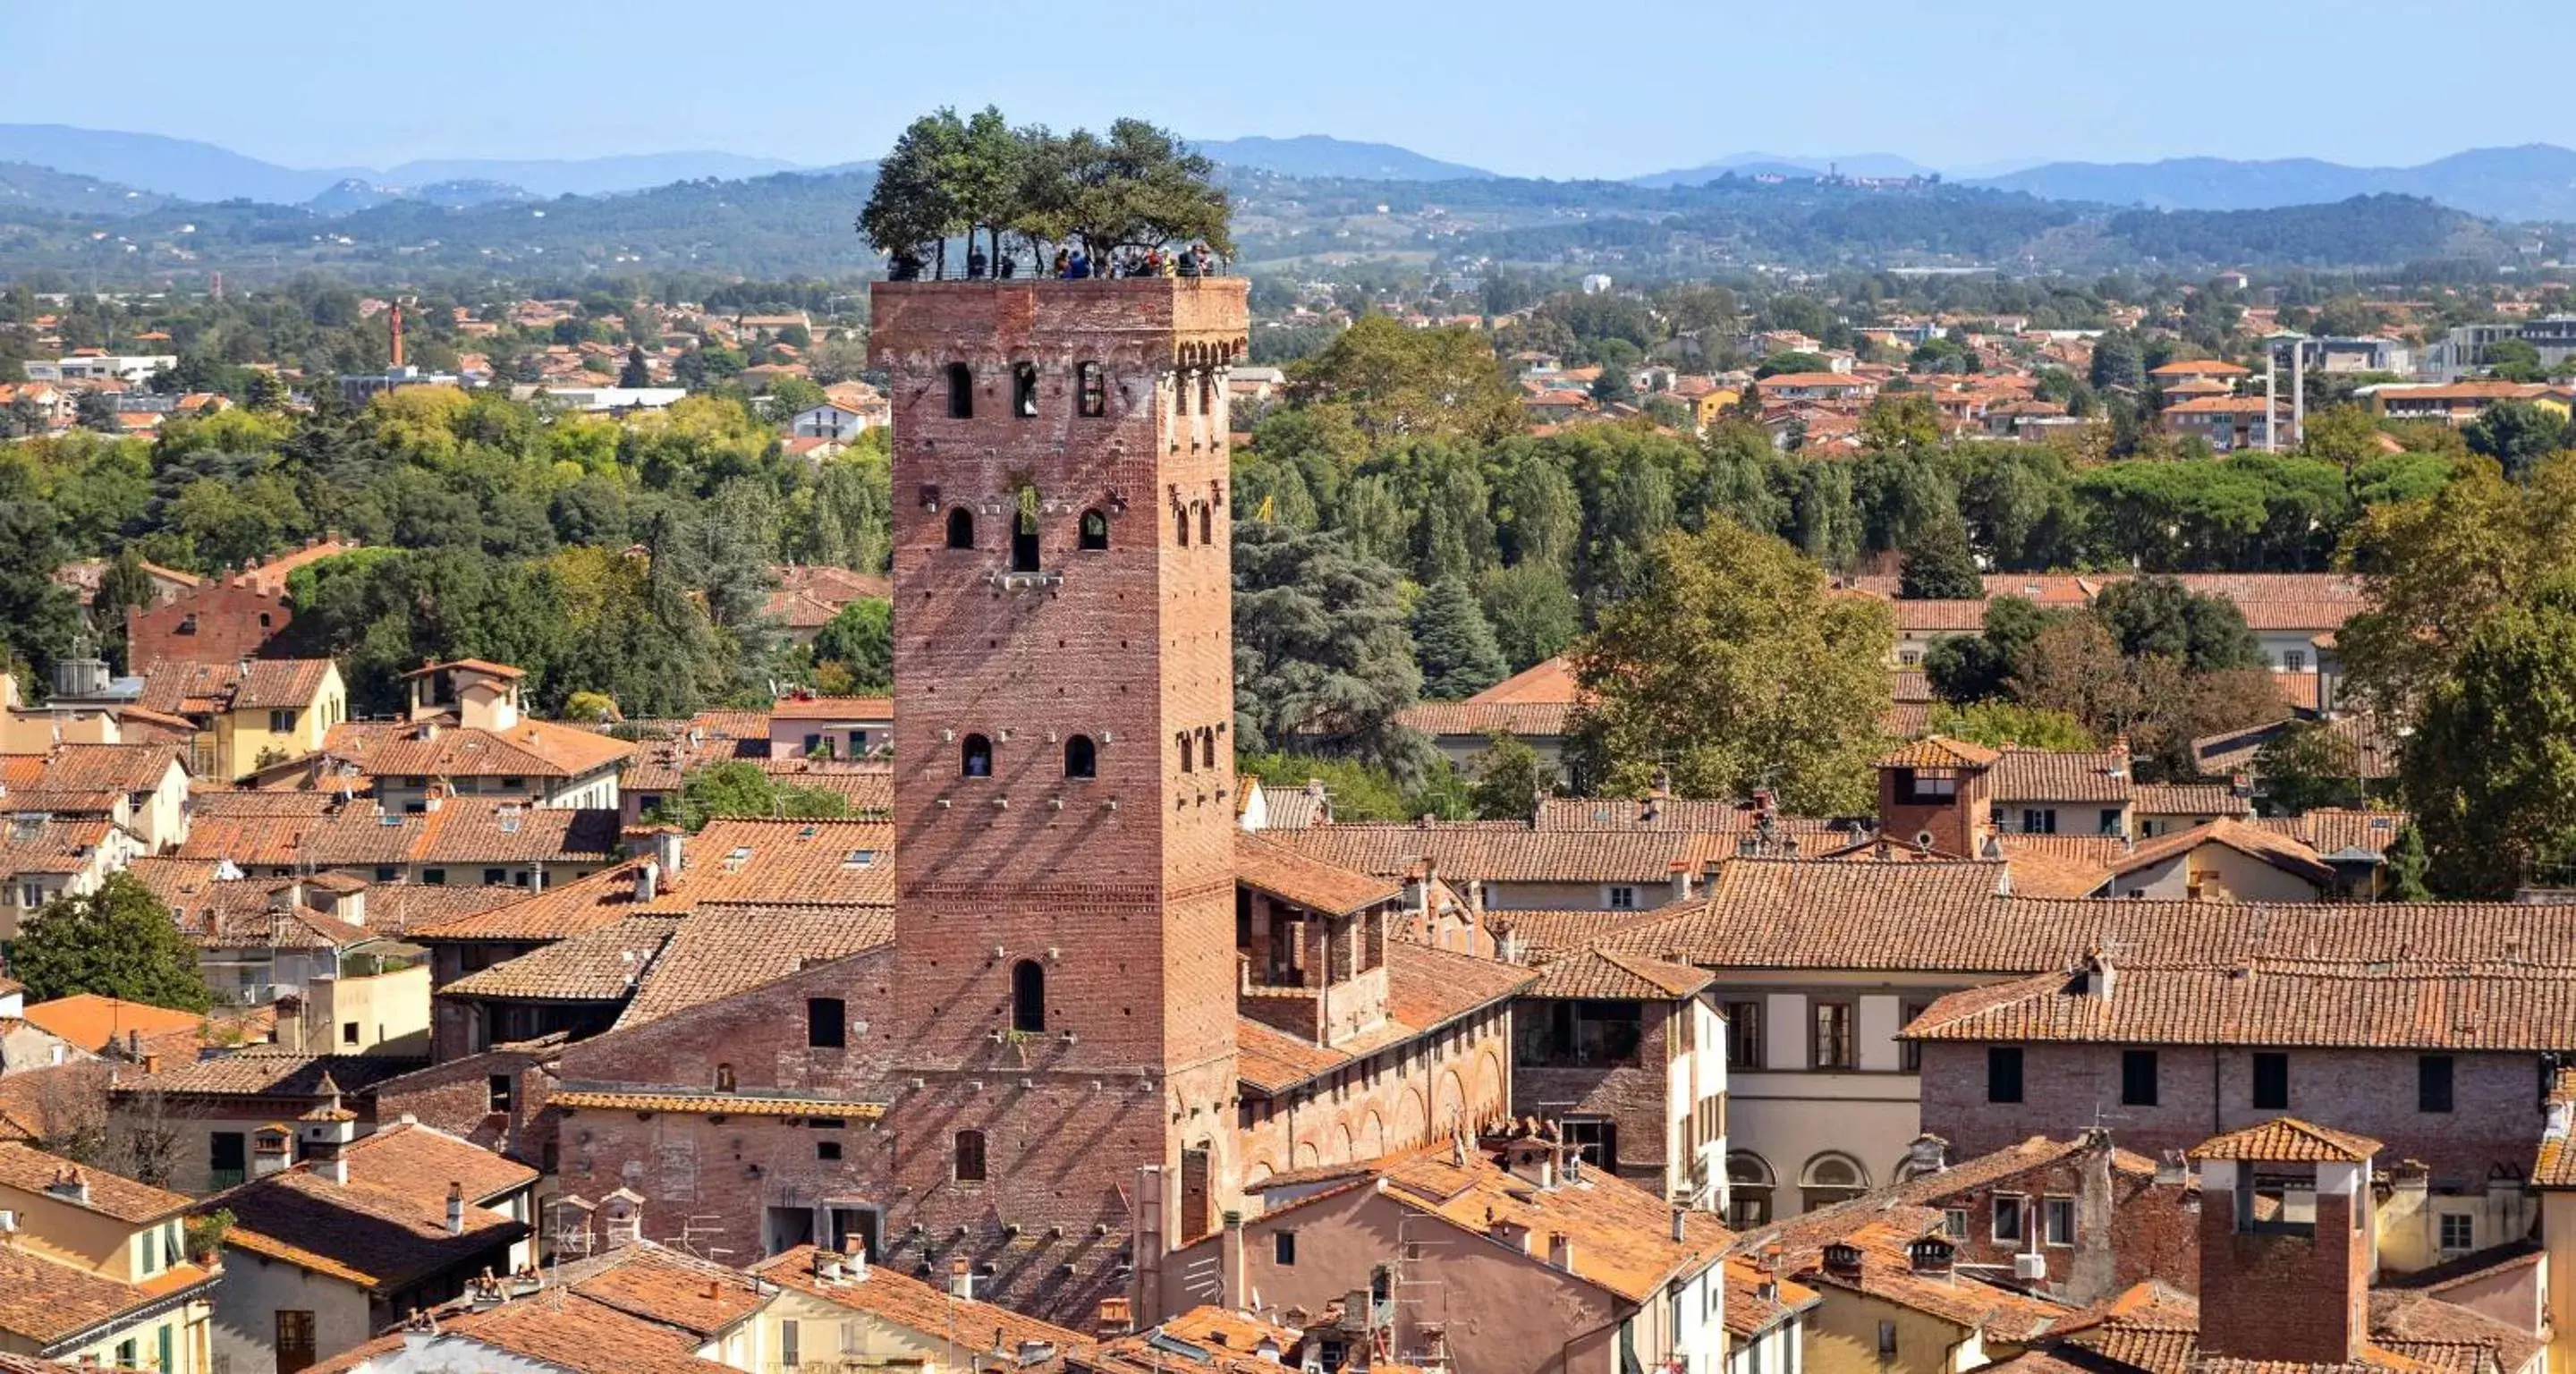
(2536, 181)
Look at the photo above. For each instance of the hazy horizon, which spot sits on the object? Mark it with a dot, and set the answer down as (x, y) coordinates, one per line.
(1508, 85)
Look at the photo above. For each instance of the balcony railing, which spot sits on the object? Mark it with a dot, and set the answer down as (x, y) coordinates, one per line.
(218, 1180)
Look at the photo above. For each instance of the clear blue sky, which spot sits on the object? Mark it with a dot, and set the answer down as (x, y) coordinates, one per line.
(1536, 89)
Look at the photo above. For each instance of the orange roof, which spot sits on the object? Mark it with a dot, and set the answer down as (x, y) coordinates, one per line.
(2199, 367)
(1550, 683)
(1940, 751)
(2286, 1139)
(93, 1022)
(478, 665)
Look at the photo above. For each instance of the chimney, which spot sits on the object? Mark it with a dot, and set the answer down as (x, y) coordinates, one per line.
(1235, 1293)
(1843, 1258)
(648, 881)
(961, 1280)
(622, 1215)
(2098, 975)
(2094, 1274)
(2287, 1244)
(71, 1185)
(2171, 1171)
(1681, 880)
(854, 1258)
(455, 1208)
(1930, 1255)
(1560, 1251)
(668, 851)
(1681, 1227)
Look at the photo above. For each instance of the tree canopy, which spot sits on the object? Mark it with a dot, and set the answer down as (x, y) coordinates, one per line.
(948, 176)
(118, 941)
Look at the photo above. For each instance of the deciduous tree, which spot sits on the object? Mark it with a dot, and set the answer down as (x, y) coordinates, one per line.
(118, 941)
(1731, 666)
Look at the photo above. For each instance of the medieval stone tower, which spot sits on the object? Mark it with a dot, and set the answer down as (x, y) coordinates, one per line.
(1063, 1102)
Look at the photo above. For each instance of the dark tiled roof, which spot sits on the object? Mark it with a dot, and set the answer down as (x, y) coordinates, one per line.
(1599, 975)
(30, 1170)
(1286, 874)
(263, 1072)
(600, 965)
(2033, 775)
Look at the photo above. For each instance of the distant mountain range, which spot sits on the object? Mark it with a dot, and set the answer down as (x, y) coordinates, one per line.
(1788, 164)
(2536, 181)
(1315, 155)
(2532, 182)
(198, 171)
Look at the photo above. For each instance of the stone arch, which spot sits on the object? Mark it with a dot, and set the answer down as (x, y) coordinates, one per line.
(1349, 1143)
(1448, 1103)
(1372, 1140)
(1305, 1155)
(1259, 1169)
(1415, 1113)
(1490, 1098)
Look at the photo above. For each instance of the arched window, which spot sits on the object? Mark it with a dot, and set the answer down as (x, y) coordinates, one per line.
(1095, 531)
(1181, 525)
(1081, 757)
(1024, 390)
(1024, 542)
(1189, 756)
(1207, 392)
(961, 392)
(1832, 1178)
(1028, 997)
(961, 528)
(1091, 389)
(975, 757)
(1207, 748)
(1207, 522)
(970, 1156)
(1748, 1188)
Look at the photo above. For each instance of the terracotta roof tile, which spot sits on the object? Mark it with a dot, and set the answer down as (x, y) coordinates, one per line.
(915, 1306)
(386, 1228)
(2397, 1005)
(599, 965)
(1290, 876)
(2254, 842)
(28, 1169)
(2060, 865)
(266, 1072)
(2189, 799)
(1939, 751)
(1547, 683)
(2036, 775)
(1486, 717)
(719, 950)
(1509, 853)
(92, 1021)
(1598, 975)
(44, 1302)
(821, 863)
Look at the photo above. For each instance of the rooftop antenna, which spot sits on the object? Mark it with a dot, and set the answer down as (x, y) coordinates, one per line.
(698, 1227)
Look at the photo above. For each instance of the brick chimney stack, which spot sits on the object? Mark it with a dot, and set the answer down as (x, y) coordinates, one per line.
(2287, 1245)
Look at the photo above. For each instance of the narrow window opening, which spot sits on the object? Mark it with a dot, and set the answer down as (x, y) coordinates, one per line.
(1095, 531)
(970, 1156)
(1187, 758)
(1028, 997)
(1024, 543)
(1081, 757)
(975, 757)
(961, 528)
(961, 392)
(1024, 390)
(1207, 522)
(1092, 386)
(1181, 526)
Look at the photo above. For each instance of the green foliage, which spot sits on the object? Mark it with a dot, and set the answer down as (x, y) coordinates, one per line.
(1532, 611)
(1358, 791)
(1998, 723)
(740, 788)
(38, 616)
(2518, 434)
(1322, 657)
(1397, 384)
(1453, 643)
(946, 176)
(118, 941)
(206, 1232)
(2409, 867)
(1938, 563)
(2489, 772)
(1510, 778)
(2158, 615)
(2308, 766)
(1971, 668)
(860, 638)
(1731, 667)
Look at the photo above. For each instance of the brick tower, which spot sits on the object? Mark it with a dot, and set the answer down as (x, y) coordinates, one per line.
(1063, 1107)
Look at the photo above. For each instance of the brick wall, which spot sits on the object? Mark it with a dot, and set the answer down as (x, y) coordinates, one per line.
(1399, 1098)
(1636, 1098)
(218, 623)
(2202, 1092)
(1118, 887)
(456, 1097)
(2153, 1230)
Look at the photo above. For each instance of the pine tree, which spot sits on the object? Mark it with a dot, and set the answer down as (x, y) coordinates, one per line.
(635, 373)
(1454, 644)
(1938, 564)
(2408, 863)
